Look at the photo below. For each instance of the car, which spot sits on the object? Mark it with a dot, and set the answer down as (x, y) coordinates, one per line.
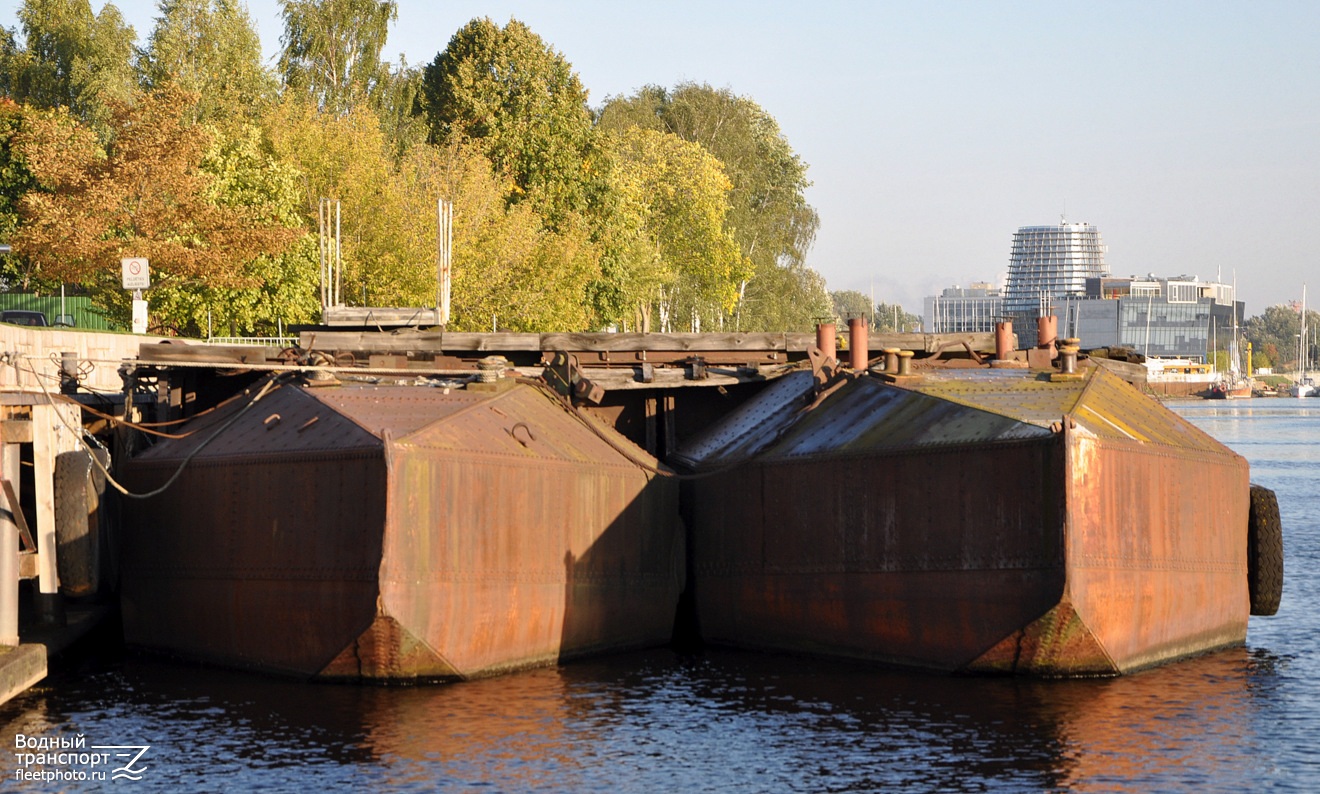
(23, 317)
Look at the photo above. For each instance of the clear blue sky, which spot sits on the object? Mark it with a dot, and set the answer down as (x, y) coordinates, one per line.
(1188, 132)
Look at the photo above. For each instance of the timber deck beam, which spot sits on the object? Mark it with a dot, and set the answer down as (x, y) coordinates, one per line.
(592, 349)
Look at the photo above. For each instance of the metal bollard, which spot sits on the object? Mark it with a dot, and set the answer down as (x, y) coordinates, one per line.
(891, 360)
(1068, 356)
(905, 362)
(69, 372)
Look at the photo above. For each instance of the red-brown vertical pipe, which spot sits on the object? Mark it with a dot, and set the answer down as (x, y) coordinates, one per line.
(858, 349)
(825, 340)
(1003, 339)
(1047, 330)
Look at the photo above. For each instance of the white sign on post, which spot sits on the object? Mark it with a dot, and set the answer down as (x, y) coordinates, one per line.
(139, 316)
(136, 273)
(137, 277)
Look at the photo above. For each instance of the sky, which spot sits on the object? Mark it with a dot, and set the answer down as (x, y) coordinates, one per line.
(1187, 132)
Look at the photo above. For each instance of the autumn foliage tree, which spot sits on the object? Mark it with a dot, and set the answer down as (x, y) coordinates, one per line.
(144, 195)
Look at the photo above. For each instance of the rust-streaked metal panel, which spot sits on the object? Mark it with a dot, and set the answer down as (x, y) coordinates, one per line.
(1157, 547)
(519, 537)
(1113, 408)
(923, 559)
(526, 424)
(978, 520)
(263, 561)
(400, 410)
(395, 532)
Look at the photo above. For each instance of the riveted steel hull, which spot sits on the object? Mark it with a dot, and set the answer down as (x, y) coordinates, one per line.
(970, 522)
(399, 533)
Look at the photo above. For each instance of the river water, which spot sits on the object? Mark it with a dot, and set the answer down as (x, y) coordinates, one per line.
(1246, 719)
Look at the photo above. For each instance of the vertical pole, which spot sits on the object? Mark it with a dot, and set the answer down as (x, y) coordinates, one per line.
(9, 463)
(320, 245)
(339, 260)
(444, 243)
(440, 259)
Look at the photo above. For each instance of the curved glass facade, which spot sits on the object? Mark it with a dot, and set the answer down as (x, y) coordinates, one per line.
(1050, 262)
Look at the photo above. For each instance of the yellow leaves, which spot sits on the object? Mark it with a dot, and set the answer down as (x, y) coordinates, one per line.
(145, 196)
(673, 198)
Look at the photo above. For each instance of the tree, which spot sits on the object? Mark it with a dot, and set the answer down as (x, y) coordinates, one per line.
(769, 215)
(851, 303)
(891, 317)
(15, 181)
(145, 194)
(72, 59)
(396, 99)
(508, 92)
(507, 264)
(668, 234)
(332, 50)
(208, 48)
(1275, 334)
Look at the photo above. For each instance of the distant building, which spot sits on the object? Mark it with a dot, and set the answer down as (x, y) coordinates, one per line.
(962, 310)
(1178, 317)
(1061, 270)
(1048, 263)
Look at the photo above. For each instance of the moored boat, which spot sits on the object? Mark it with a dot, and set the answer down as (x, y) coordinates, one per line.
(1230, 388)
(1301, 388)
(973, 520)
(397, 532)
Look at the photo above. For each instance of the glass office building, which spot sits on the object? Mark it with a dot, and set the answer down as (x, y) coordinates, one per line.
(1048, 263)
(1167, 318)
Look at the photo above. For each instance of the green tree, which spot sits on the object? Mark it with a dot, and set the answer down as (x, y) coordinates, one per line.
(72, 59)
(396, 99)
(850, 303)
(332, 50)
(209, 48)
(673, 251)
(1275, 333)
(891, 317)
(508, 92)
(769, 215)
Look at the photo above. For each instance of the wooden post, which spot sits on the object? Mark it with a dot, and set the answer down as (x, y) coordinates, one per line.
(50, 437)
(651, 410)
(9, 462)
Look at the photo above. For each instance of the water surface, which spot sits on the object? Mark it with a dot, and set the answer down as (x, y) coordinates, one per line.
(1245, 719)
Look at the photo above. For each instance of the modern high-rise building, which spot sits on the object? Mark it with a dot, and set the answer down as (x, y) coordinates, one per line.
(1048, 263)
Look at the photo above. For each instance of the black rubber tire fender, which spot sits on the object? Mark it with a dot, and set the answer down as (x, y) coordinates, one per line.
(1264, 552)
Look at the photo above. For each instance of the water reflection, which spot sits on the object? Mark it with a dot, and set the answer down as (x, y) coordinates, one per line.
(662, 721)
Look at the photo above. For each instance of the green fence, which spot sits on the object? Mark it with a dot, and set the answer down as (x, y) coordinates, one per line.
(75, 311)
